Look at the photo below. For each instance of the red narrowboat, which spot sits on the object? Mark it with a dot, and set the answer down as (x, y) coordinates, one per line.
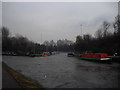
(95, 56)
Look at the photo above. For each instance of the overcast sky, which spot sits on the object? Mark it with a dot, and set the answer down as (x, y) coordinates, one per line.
(60, 20)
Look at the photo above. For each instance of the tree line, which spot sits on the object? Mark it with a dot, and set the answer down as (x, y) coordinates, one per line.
(22, 45)
(104, 41)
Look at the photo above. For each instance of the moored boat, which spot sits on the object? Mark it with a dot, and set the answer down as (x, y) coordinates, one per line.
(95, 56)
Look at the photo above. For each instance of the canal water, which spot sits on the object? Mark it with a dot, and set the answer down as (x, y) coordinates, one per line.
(60, 71)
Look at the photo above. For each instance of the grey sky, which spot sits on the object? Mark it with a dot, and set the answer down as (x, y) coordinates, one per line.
(58, 20)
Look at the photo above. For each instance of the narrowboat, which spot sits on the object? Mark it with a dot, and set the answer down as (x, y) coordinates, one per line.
(95, 56)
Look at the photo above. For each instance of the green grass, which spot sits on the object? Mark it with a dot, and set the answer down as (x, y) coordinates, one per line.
(24, 81)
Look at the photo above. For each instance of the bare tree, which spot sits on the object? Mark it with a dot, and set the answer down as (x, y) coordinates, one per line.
(87, 37)
(5, 32)
(5, 39)
(99, 33)
(116, 24)
(105, 28)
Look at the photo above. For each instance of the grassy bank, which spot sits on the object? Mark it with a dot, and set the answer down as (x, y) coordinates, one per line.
(24, 81)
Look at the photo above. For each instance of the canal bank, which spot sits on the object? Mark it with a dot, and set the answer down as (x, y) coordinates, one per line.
(13, 79)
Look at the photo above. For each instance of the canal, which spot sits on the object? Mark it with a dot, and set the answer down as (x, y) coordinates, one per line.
(60, 71)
